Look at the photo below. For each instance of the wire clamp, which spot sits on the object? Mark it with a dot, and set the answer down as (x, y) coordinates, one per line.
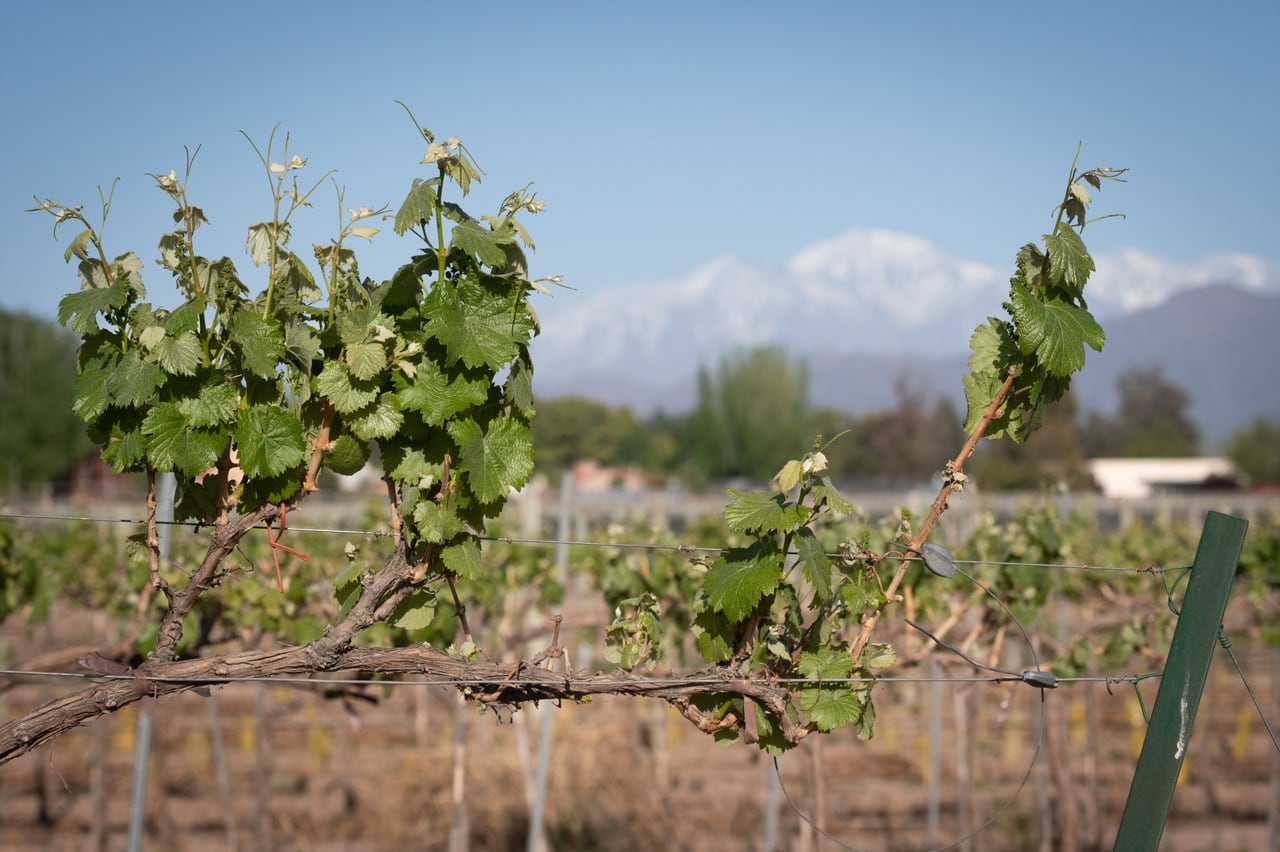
(1040, 679)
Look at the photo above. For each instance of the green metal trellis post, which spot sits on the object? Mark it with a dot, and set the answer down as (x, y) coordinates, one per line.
(1182, 683)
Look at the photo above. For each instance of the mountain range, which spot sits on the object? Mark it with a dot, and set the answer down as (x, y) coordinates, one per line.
(870, 309)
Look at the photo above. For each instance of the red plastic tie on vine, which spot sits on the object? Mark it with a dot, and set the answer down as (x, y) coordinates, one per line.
(276, 545)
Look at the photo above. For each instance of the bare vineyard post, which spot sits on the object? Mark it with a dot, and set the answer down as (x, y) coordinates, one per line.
(933, 806)
(459, 822)
(964, 768)
(261, 770)
(166, 488)
(219, 754)
(772, 801)
(1273, 806)
(534, 842)
(1181, 685)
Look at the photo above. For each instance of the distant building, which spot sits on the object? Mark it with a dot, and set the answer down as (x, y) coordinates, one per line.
(590, 476)
(1145, 477)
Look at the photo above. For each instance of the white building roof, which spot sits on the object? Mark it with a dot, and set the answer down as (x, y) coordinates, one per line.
(1143, 477)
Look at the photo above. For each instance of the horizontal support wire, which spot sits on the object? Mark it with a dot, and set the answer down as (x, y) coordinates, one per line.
(570, 682)
(555, 542)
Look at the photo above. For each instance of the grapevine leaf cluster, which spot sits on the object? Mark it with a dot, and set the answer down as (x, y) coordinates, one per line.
(247, 397)
(1041, 342)
(787, 605)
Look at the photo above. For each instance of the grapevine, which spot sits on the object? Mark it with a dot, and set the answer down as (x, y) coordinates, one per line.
(248, 399)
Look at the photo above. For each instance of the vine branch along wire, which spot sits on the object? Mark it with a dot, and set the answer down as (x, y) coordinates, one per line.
(951, 481)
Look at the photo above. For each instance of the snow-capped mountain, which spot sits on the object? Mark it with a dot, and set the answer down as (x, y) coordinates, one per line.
(1129, 280)
(862, 290)
(889, 301)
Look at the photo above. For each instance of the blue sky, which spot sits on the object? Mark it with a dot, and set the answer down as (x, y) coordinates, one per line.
(660, 135)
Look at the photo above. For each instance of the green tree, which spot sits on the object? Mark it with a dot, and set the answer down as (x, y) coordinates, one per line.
(754, 406)
(569, 429)
(904, 444)
(37, 387)
(1152, 420)
(1256, 451)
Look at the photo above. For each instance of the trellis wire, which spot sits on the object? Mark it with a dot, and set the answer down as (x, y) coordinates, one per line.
(554, 542)
(568, 682)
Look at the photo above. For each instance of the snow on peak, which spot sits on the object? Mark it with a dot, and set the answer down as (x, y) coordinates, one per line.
(1131, 279)
(910, 279)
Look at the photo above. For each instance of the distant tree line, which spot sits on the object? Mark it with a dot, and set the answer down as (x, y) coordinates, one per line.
(753, 410)
(41, 438)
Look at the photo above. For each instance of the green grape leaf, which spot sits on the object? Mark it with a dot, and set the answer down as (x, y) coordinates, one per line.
(151, 336)
(366, 360)
(354, 325)
(463, 558)
(418, 206)
(994, 351)
(826, 491)
(302, 343)
(714, 635)
(405, 464)
(347, 588)
(437, 396)
(174, 445)
(879, 655)
(381, 420)
(269, 440)
(825, 664)
(346, 396)
(294, 282)
(268, 490)
(496, 460)
(762, 511)
(830, 707)
(260, 340)
(859, 596)
(79, 311)
(519, 385)
(416, 611)
(178, 355)
(79, 247)
(1069, 261)
(347, 456)
(815, 564)
(260, 241)
(740, 577)
(477, 326)
(1029, 262)
(127, 271)
(134, 382)
(436, 524)
(126, 449)
(480, 242)
(866, 722)
(93, 388)
(214, 405)
(1055, 331)
(789, 476)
